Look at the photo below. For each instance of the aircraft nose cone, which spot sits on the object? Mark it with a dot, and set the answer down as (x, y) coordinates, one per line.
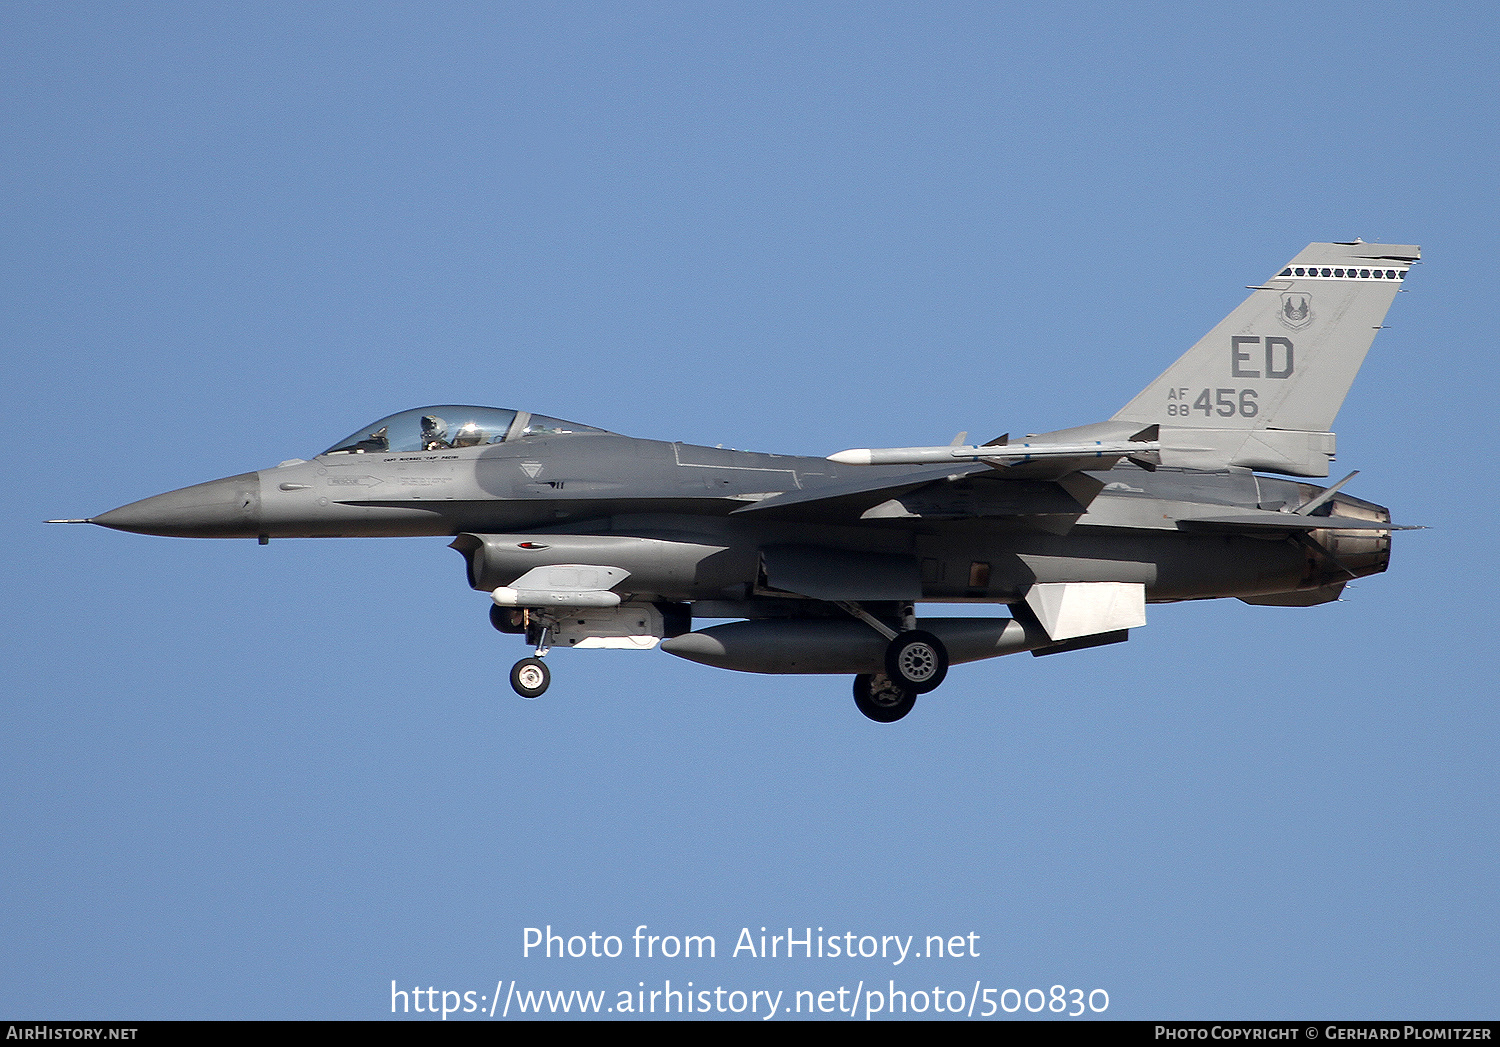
(227, 508)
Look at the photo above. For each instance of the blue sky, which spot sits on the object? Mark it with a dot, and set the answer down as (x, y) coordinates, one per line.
(264, 782)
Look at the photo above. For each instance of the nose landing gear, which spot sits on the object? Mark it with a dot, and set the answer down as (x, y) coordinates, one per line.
(530, 677)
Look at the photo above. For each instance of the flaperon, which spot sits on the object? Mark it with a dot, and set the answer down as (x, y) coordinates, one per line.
(585, 538)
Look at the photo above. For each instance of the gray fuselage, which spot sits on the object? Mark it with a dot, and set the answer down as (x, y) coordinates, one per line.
(978, 539)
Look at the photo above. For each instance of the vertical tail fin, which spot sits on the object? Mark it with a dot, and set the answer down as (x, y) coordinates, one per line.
(1262, 388)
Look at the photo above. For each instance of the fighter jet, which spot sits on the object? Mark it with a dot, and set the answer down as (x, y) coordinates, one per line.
(588, 539)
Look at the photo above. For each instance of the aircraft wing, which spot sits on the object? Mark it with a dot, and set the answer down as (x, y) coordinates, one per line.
(927, 493)
(854, 495)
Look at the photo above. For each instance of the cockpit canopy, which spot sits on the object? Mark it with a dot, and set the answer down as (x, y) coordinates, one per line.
(449, 426)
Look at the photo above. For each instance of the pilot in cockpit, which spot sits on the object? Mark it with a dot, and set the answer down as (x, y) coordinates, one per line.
(434, 433)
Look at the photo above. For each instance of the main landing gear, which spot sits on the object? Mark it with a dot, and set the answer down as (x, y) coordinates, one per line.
(880, 699)
(529, 677)
(915, 662)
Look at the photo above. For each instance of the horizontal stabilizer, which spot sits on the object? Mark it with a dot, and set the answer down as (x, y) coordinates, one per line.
(1302, 598)
(1269, 521)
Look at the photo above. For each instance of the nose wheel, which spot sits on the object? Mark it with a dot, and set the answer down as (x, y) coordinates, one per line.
(530, 677)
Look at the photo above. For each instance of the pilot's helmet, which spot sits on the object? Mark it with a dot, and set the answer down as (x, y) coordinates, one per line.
(434, 428)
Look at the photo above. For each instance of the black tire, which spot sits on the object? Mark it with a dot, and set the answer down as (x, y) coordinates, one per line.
(880, 699)
(917, 660)
(530, 677)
